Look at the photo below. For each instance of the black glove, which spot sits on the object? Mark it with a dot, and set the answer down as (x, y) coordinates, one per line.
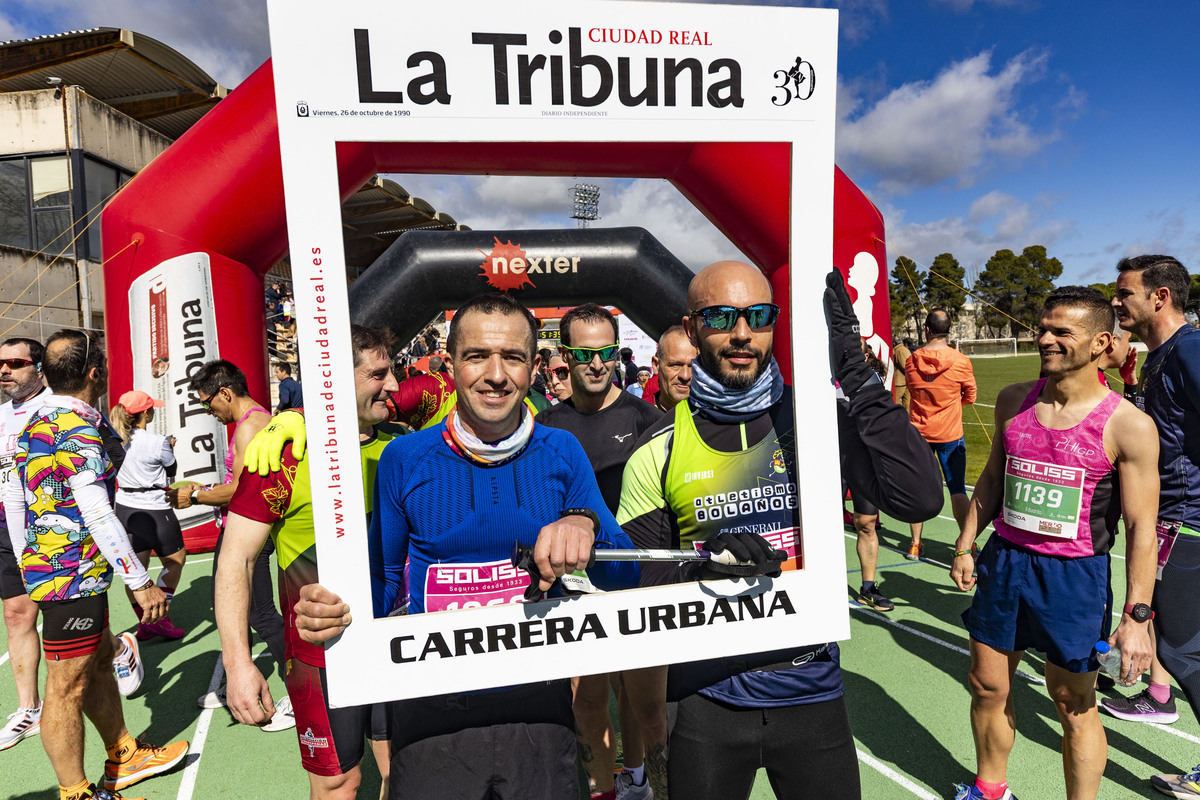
(754, 555)
(846, 359)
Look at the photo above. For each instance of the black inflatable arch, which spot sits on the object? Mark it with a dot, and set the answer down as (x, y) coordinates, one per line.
(440, 270)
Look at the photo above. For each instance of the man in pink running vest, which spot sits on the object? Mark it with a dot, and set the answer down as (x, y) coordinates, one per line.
(1051, 490)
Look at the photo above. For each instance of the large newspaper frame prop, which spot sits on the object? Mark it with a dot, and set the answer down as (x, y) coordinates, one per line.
(318, 105)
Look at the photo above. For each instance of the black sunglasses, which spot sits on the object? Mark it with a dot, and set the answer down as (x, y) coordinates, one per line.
(585, 354)
(207, 404)
(16, 363)
(724, 318)
(562, 373)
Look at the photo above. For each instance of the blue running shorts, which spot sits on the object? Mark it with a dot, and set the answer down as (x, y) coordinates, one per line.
(1025, 600)
(953, 458)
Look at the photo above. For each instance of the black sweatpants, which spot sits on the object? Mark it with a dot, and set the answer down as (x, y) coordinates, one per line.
(1177, 617)
(715, 751)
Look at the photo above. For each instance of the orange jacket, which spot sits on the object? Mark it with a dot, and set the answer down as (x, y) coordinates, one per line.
(940, 382)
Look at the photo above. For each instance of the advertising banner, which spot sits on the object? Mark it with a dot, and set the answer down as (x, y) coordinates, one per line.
(531, 75)
(174, 330)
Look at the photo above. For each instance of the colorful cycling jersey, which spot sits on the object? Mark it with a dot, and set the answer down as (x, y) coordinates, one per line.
(60, 443)
(692, 478)
(284, 499)
(1060, 496)
(13, 417)
(435, 507)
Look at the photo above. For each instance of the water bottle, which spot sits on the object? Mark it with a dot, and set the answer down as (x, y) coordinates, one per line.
(1110, 659)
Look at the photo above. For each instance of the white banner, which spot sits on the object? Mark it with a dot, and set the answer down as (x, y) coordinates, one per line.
(173, 330)
(532, 73)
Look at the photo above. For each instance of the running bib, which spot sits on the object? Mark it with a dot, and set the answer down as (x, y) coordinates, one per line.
(450, 587)
(1043, 498)
(1167, 532)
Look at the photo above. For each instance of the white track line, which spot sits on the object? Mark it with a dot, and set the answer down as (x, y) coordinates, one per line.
(896, 777)
(188, 784)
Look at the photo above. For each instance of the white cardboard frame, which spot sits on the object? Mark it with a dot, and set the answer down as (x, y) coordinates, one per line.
(317, 103)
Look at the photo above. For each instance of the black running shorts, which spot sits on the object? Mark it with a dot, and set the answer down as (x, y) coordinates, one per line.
(73, 628)
(151, 529)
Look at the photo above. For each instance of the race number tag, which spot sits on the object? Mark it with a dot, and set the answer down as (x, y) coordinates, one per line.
(450, 587)
(1043, 498)
(1167, 533)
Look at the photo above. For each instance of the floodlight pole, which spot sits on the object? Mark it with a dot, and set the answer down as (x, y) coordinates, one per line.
(585, 203)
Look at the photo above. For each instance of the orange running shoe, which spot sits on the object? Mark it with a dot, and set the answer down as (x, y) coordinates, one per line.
(146, 761)
(914, 551)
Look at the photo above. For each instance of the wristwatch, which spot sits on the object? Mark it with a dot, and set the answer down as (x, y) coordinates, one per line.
(584, 512)
(1139, 611)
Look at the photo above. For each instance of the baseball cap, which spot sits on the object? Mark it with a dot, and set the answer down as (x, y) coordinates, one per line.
(136, 402)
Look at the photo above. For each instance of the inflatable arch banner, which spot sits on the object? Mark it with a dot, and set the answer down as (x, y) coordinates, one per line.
(741, 123)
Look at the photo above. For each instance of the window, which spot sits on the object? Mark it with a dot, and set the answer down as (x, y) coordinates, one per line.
(14, 211)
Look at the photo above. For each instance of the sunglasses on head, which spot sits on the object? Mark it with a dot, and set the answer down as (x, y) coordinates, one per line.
(16, 363)
(724, 318)
(562, 373)
(585, 354)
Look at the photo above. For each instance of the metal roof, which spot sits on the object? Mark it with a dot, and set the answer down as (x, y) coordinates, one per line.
(376, 215)
(138, 76)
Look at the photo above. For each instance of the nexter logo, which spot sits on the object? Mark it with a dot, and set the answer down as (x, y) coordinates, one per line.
(508, 267)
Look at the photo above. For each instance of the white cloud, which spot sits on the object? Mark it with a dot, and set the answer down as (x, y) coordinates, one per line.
(994, 221)
(949, 129)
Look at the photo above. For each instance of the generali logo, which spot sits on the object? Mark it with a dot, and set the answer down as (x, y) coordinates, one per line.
(507, 267)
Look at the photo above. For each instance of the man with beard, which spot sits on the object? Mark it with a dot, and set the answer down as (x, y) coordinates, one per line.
(1152, 292)
(781, 710)
(1069, 459)
(607, 422)
(21, 382)
(279, 506)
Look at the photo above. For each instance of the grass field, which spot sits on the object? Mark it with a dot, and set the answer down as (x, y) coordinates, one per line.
(905, 675)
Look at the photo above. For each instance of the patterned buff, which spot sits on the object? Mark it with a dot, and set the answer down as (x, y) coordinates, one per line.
(726, 405)
(471, 448)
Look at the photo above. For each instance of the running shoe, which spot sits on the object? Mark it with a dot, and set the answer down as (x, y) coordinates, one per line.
(95, 792)
(215, 699)
(914, 551)
(164, 628)
(628, 790)
(284, 717)
(128, 666)
(875, 599)
(965, 791)
(1184, 786)
(21, 723)
(146, 761)
(1141, 707)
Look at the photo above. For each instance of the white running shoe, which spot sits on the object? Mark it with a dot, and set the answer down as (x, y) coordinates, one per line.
(128, 666)
(284, 717)
(628, 790)
(21, 723)
(214, 699)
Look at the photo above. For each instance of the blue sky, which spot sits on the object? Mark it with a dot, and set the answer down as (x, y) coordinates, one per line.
(974, 125)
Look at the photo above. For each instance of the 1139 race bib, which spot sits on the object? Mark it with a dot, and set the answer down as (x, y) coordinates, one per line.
(1043, 498)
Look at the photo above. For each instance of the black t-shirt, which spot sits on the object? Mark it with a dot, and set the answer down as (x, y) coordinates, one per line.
(607, 436)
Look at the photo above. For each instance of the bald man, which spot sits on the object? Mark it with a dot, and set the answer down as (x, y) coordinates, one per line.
(781, 710)
(672, 363)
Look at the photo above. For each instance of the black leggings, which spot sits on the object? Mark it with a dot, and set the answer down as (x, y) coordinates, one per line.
(1177, 617)
(265, 619)
(715, 751)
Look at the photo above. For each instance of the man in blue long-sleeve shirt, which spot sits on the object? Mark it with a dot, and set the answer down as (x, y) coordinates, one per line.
(461, 493)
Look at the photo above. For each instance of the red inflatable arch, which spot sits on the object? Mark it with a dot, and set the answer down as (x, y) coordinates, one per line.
(219, 190)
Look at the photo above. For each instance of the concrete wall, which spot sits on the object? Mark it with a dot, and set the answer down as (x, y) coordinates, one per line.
(37, 294)
(36, 121)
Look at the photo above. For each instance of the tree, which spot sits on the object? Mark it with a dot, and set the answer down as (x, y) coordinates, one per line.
(1039, 273)
(997, 287)
(1109, 290)
(944, 285)
(906, 303)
